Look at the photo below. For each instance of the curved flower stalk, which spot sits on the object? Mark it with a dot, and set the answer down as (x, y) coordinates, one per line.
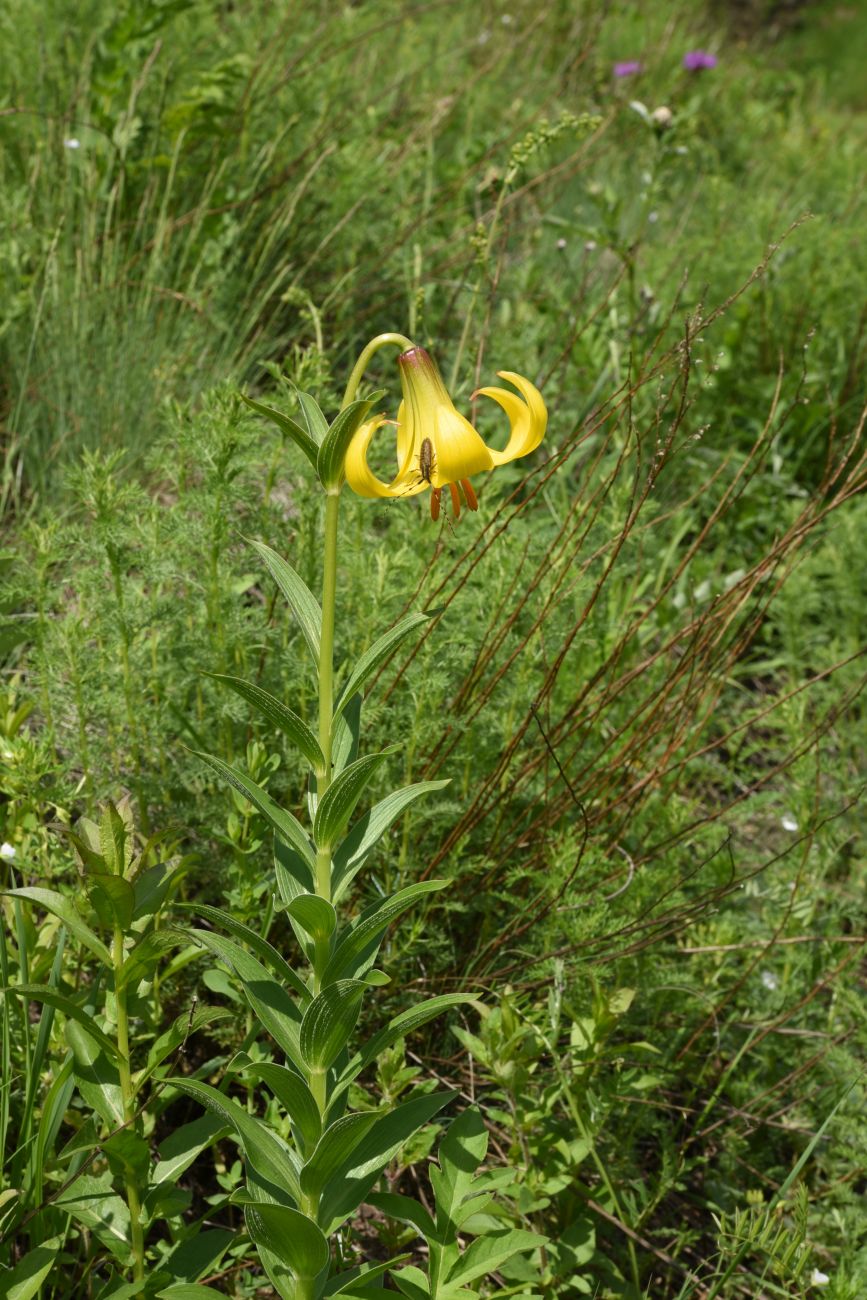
(437, 447)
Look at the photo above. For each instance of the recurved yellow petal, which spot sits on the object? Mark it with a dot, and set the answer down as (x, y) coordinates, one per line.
(528, 417)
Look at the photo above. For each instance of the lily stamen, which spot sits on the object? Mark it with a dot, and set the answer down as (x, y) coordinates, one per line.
(456, 500)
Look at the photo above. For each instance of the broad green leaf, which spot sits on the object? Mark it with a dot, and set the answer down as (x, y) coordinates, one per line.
(412, 1283)
(335, 444)
(373, 658)
(301, 600)
(280, 716)
(282, 821)
(112, 898)
(460, 1153)
(271, 1164)
(49, 995)
(352, 853)
(405, 1210)
(315, 914)
(64, 910)
(291, 1236)
(293, 1094)
(151, 889)
(24, 1280)
(266, 995)
(180, 1148)
(128, 1155)
(486, 1254)
(317, 425)
(333, 1150)
(358, 946)
(94, 1203)
(338, 803)
(399, 1027)
(96, 1076)
(353, 1180)
(286, 425)
(268, 953)
(329, 1021)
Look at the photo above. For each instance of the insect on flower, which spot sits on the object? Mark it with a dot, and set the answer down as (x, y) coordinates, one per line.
(437, 447)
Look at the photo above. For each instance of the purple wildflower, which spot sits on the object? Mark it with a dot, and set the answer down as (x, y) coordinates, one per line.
(698, 60)
(627, 68)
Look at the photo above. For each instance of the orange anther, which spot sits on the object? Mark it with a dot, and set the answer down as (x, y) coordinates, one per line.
(456, 500)
(435, 504)
(471, 498)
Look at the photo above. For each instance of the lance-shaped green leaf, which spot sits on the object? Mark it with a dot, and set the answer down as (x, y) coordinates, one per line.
(268, 998)
(351, 854)
(317, 425)
(355, 1279)
(358, 946)
(291, 1236)
(315, 914)
(397, 1028)
(294, 1096)
(338, 803)
(96, 1076)
(329, 1021)
(377, 654)
(280, 716)
(176, 1035)
(270, 1162)
(333, 1149)
(114, 841)
(412, 1283)
(64, 910)
(352, 1181)
(147, 953)
(286, 425)
(461, 1152)
(347, 734)
(276, 962)
(24, 1280)
(284, 822)
(180, 1148)
(335, 444)
(301, 600)
(405, 1210)
(186, 1291)
(49, 995)
(486, 1254)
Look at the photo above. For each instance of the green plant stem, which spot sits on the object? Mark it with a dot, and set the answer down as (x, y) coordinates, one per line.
(128, 1103)
(326, 679)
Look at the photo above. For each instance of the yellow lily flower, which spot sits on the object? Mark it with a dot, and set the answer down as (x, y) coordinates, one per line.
(436, 446)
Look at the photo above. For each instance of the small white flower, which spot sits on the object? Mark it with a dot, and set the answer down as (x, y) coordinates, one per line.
(72, 143)
(769, 979)
(819, 1279)
(788, 823)
(590, 246)
(561, 243)
(653, 217)
(7, 851)
(506, 19)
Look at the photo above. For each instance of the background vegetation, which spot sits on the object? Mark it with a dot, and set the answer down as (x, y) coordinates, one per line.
(646, 682)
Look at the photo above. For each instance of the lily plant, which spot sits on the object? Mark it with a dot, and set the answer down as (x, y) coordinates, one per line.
(302, 1190)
